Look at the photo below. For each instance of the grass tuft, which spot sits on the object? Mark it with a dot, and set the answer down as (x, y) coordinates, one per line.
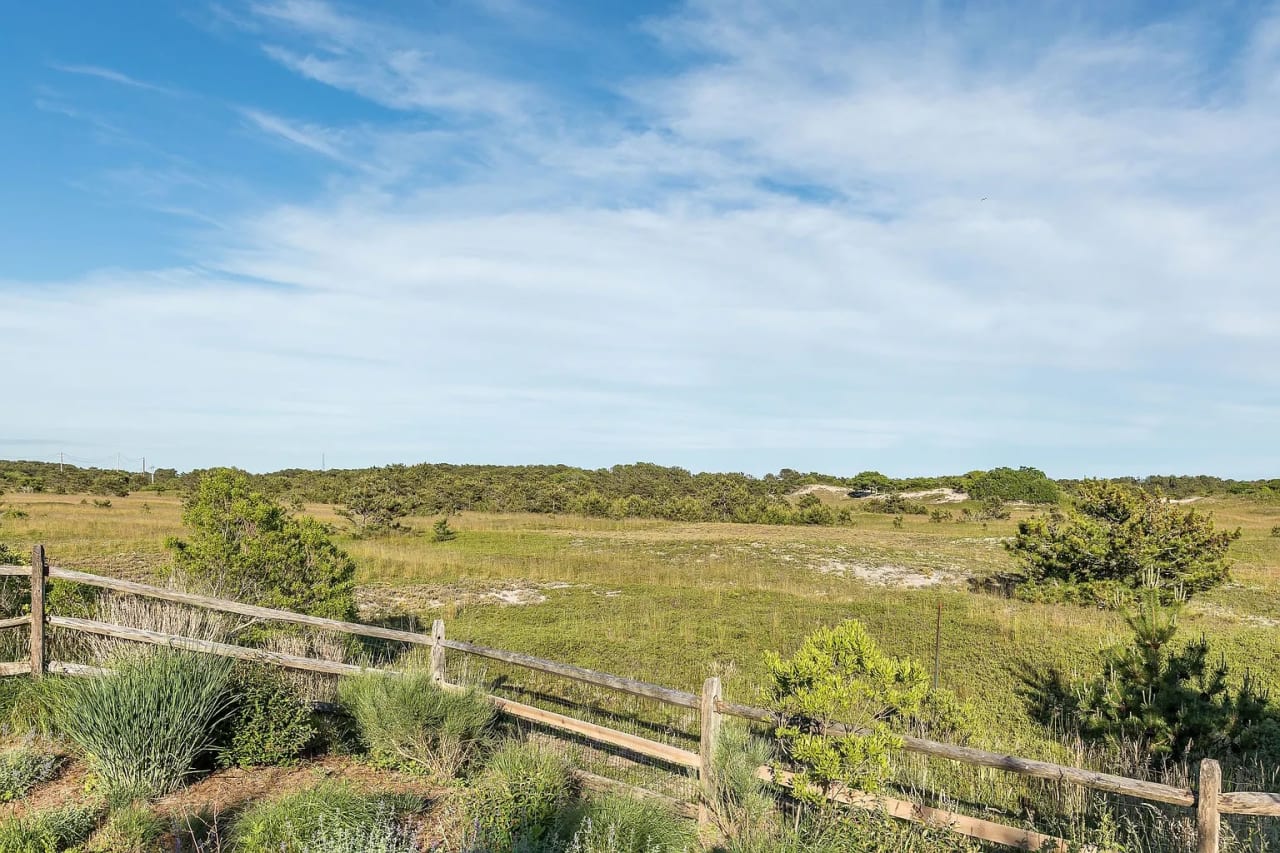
(410, 723)
(144, 727)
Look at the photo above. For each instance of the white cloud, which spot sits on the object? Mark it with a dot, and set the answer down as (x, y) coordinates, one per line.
(112, 76)
(1062, 256)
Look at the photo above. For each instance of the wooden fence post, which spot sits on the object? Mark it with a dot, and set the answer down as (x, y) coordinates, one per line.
(709, 737)
(437, 651)
(39, 572)
(1208, 818)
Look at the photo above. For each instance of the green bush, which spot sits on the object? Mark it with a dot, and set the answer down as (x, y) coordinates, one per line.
(48, 831)
(1169, 702)
(331, 818)
(269, 724)
(1118, 540)
(22, 768)
(1007, 484)
(619, 824)
(410, 723)
(244, 544)
(517, 803)
(743, 807)
(840, 677)
(144, 727)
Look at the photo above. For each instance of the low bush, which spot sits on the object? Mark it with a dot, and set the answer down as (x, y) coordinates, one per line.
(144, 727)
(619, 824)
(48, 831)
(331, 818)
(840, 677)
(22, 768)
(518, 802)
(895, 504)
(268, 723)
(410, 723)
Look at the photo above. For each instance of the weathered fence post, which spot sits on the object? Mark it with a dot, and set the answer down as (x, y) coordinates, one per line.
(710, 736)
(437, 651)
(1208, 818)
(39, 572)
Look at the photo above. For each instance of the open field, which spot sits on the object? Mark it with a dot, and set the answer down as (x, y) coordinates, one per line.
(671, 602)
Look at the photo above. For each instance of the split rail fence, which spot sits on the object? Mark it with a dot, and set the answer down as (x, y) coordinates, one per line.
(1208, 801)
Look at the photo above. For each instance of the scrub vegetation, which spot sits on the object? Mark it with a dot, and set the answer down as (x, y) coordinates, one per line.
(1097, 624)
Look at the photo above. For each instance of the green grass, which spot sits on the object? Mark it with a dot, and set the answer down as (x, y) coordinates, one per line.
(332, 817)
(673, 602)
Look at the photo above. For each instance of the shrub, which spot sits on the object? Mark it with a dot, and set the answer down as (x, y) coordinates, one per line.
(742, 806)
(410, 723)
(1275, 532)
(9, 557)
(518, 801)
(132, 829)
(1171, 702)
(22, 768)
(839, 677)
(244, 544)
(331, 818)
(48, 831)
(144, 726)
(1007, 484)
(895, 504)
(268, 723)
(1118, 540)
(619, 824)
(442, 532)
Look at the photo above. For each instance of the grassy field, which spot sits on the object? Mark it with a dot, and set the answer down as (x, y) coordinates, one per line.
(673, 603)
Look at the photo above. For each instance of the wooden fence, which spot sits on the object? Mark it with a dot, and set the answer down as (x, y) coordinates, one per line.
(1208, 801)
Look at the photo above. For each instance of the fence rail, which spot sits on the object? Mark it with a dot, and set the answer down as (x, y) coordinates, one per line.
(1208, 800)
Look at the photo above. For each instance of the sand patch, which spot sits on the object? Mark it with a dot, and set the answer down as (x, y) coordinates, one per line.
(886, 574)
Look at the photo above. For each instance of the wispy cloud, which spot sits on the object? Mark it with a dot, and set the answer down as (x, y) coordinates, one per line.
(113, 76)
(312, 137)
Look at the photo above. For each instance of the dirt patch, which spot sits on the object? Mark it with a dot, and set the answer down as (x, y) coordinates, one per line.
(939, 496)
(819, 488)
(228, 790)
(901, 577)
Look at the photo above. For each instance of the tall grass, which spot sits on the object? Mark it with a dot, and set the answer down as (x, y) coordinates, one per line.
(410, 723)
(145, 726)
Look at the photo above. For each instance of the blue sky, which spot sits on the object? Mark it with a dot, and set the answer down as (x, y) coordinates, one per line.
(725, 235)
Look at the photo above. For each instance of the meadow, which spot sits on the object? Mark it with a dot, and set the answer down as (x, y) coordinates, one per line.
(673, 602)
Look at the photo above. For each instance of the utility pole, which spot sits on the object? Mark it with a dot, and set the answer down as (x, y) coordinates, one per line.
(322, 468)
(144, 466)
(118, 468)
(59, 461)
